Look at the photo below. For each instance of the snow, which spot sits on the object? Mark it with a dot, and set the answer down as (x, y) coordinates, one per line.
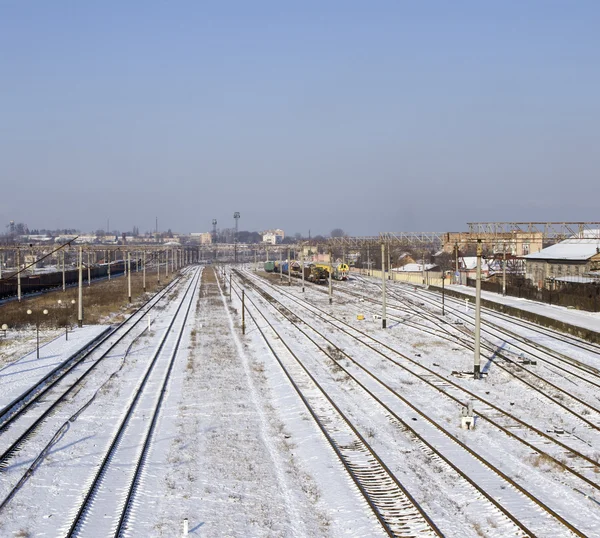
(414, 268)
(569, 249)
(237, 453)
(578, 318)
(26, 371)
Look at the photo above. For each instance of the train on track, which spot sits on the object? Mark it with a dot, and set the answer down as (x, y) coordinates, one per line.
(313, 272)
(47, 281)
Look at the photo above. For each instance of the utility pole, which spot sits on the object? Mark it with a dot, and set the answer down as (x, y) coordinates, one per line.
(243, 314)
(330, 280)
(80, 291)
(158, 267)
(383, 315)
(368, 261)
(389, 264)
(443, 292)
(214, 236)
(255, 260)
(456, 263)
(302, 270)
(109, 262)
(289, 268)
(89, 269)
(504, 271)
(236, 216)
(64, 282)
(19, 274)
(129, 276)
(476, 368)
(144, 272)
(280, 265)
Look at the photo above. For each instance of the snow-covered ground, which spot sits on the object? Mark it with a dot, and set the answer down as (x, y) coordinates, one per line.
(236, 452)
(579, 318)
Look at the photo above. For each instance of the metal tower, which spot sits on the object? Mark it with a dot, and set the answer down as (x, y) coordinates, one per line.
(236, 216)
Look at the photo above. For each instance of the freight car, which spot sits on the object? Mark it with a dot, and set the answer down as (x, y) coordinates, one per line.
(46, 281)
(269, 267)
(296, 269)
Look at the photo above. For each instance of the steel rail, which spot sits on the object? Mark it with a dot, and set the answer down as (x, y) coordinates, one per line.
(575, 454)
(45, 386)
(85, 505)
(352, 469)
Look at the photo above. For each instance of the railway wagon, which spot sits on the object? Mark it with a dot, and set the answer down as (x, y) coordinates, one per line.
(269, 267)
(296, 270)
(47, 281)
(281, 267)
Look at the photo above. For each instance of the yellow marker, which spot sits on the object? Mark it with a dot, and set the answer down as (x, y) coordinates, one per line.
(360, 317)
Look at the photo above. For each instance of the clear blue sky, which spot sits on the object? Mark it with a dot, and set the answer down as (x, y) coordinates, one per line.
(369, 116)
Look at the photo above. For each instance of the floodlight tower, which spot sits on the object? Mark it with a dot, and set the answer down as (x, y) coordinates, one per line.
(236, 216)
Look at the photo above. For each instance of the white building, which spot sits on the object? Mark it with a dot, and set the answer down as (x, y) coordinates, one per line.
(571, 260)
(273, 237)
(204, 238)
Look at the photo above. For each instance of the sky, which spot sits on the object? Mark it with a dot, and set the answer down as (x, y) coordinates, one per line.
(372, 117)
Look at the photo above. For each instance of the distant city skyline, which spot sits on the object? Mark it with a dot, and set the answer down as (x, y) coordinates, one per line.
(392, 116)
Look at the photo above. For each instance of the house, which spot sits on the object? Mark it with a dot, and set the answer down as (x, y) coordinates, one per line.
(572, 260)
(468, 267)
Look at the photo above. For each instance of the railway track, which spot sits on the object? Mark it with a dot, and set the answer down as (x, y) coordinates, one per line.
(515, 505)
(22, 419)
(584, 466)
(582, 410)
(572, 371)
(395, 508)
(107, 503)
(561, 361)
(578, 464)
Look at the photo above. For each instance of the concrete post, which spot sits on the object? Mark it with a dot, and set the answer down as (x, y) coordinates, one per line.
(80, 290)
(129, 276)
(383, 313)
(476, 368)
(18, 275)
